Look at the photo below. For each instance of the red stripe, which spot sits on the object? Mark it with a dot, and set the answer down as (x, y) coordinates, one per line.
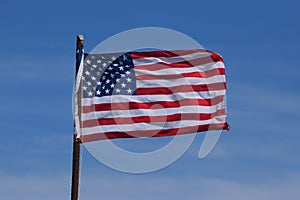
(174, 53)
(151, 119)
(152, 133)
(181, 88)
(216, 57)
(183, 64)
(210, 73)
(149, 105)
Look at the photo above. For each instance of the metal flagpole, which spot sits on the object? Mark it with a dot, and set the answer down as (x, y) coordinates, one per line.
(76, 142)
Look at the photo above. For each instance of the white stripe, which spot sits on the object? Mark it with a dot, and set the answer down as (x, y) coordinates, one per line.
(179, 81)
(154, 60)
(152, 98)
(172, 70)
(77, 97)
(151, 126)
(151, 112)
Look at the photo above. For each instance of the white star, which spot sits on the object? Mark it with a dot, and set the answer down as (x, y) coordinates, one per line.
(118, 90)
(89, 83)
(128, 80)
(94, 66)
(129, 91)
(112, 75)
(93, 78)
(98, 92)
(127, 66)
(123, 85)
(118, 80)
(90, 93)
(98, 61)
(98, 73)
(103, 87)
(88, 61)
(107, 81)
(127, 72)
(104, 64)
(122, 75)
(103, 77)
(98, 83)
(83, 78)
(116, 64)
(113, 58)
(107, 91)
(121, 68)
(110, 68)
(124, 57)
(84, 87)
(112, 85)
(87, 72)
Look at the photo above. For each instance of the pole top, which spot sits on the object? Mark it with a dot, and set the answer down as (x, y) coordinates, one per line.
(80, 44)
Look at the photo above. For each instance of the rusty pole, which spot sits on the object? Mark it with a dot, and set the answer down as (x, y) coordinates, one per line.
(76, 142)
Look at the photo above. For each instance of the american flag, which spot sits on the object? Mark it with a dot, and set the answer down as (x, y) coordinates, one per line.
(149, 94)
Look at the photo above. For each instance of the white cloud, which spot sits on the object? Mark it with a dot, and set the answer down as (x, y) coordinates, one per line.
(140, 187)
(33, 187)
(265, 119)
(264, 99)
(146, 187)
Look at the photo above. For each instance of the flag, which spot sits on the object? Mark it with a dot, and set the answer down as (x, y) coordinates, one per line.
(149, 94)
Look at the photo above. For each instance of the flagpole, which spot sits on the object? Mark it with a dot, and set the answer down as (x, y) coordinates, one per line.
(76, 141)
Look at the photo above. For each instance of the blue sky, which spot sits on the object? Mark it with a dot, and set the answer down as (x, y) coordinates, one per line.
(258, 159)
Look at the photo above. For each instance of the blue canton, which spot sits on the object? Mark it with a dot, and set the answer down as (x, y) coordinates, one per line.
(108, 74)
